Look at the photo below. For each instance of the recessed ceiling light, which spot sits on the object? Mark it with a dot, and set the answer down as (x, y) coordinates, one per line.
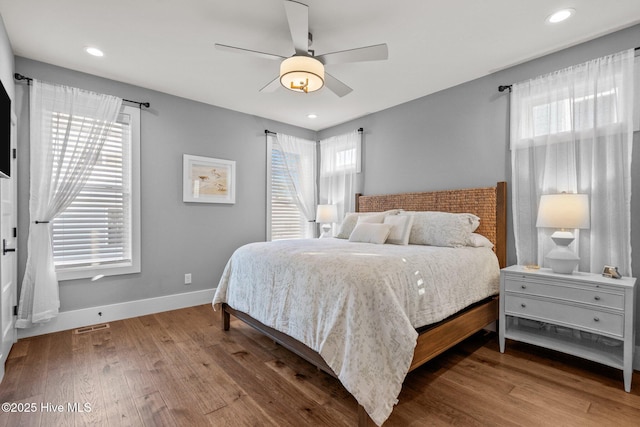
(312, 116)
(94, 51)
(560, 16)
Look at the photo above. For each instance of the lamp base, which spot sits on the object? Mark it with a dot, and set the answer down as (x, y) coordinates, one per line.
(562, 259)
(326, 231)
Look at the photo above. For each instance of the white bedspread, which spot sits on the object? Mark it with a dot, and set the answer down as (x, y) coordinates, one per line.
(357, 304)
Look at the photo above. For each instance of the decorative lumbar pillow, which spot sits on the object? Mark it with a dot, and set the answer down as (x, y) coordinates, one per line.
(401, 229)
(479, 241)
(369, 232)
(442, 228)
(348, 224)
(351, 219)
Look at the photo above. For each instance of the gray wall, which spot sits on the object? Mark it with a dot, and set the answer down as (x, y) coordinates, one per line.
(459, 137)
(177, 237)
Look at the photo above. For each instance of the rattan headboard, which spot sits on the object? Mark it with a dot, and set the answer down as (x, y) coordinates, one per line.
(489, 203)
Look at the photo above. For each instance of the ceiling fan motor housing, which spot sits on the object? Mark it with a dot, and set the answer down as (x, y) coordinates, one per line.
(302, 74)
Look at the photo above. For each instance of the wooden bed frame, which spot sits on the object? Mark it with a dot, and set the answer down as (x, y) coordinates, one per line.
(487, 203)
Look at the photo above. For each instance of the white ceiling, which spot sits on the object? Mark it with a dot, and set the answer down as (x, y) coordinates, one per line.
(168, 45)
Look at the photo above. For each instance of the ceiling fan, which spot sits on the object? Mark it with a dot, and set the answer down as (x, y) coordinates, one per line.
(304, 71)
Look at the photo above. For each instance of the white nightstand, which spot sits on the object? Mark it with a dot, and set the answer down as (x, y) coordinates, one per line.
(586, 315)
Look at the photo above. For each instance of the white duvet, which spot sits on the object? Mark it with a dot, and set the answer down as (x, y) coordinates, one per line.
(357, 304)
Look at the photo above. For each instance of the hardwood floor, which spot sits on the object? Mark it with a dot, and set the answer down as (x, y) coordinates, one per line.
(179, 368)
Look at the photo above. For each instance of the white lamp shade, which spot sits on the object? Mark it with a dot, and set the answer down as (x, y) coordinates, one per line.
(300, 72)
(566, 211)
(327, 214)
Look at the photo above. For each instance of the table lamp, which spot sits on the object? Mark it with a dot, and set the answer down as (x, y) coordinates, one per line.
(565, 212)
(326, 215)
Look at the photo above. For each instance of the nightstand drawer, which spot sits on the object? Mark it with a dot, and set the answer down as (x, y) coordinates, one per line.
(573, 316)
(598, 297)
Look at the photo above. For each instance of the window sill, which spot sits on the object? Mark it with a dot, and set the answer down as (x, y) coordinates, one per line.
(89, 272)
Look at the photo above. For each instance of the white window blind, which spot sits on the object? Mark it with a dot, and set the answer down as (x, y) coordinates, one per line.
(100, 228)
(287, 221)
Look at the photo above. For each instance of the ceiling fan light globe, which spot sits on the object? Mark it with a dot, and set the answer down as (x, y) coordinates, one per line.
(302, 74)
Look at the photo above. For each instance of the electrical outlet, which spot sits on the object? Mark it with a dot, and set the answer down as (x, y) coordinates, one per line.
(187, 279)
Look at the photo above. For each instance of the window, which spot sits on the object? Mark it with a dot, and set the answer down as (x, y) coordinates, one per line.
(287, 173)
(99, 233)
(346, 159)
(575, 113)
(575, 106)
(294, 178)
(287, 222)
(340, 167)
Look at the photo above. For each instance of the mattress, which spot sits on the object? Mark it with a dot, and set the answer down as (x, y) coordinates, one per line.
(357, 304)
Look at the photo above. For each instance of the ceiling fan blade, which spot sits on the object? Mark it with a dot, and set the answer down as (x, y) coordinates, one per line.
(272, 85)
(369, 53)
(298, 18)
(263, 55)
(335, 85)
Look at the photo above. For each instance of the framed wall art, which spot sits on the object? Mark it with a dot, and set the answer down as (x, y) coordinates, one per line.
(208, 180)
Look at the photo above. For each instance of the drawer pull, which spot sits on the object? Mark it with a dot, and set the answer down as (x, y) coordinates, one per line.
(597, 298)
(524, 286)
(596, 319)
(523, 305)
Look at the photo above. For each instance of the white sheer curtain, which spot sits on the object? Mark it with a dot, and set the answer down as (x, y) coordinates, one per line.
(301, 165)
(572, 130)
(61, 163)
(340, 166)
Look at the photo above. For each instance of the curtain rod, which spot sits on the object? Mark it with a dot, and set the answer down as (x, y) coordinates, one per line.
(19, 76)
(502, 88)
(268, 132)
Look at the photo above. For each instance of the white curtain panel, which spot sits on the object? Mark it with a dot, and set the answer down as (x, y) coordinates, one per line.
(61, 163)
(572, 130)
(301, 162)
(636, 96)
(340, 160)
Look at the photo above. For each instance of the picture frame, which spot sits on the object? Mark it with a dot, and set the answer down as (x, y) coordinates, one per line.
(611, 272)
(208, 180)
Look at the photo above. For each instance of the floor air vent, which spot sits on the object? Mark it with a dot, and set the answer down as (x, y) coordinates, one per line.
(93, 328)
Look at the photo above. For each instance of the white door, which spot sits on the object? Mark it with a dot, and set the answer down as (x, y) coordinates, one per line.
(8, 258)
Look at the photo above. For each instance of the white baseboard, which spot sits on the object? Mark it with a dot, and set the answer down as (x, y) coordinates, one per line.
(109, 313)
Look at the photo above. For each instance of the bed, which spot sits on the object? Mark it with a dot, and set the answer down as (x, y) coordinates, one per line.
(339, 339)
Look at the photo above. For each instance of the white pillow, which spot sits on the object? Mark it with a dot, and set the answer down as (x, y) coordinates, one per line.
(479, 241)
(347, 225)
(375, 218)
(401, 229)
(442, 228)
(351, 219)
(368, 232)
